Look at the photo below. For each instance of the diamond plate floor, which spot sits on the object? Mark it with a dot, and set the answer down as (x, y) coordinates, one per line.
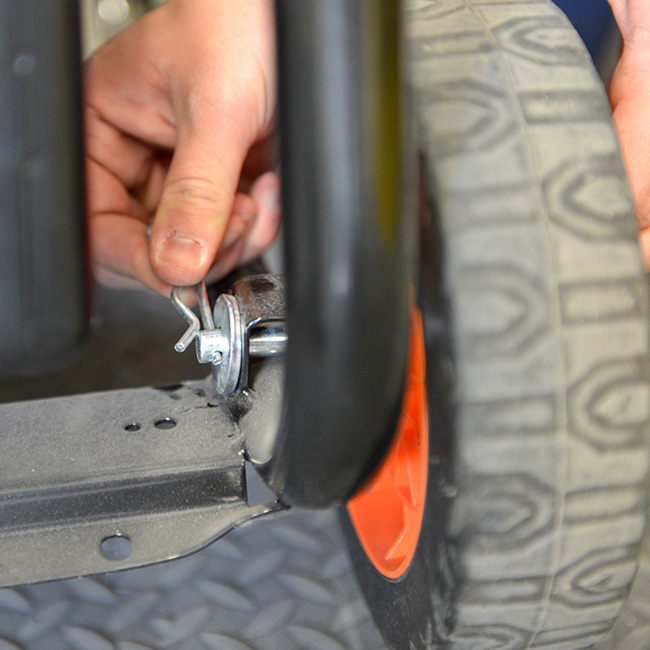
(275, 585)
(278, 584)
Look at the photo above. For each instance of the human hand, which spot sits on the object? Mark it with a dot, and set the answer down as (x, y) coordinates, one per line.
(630, 97)
(178, 110)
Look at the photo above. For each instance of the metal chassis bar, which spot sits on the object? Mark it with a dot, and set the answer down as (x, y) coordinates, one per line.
(106, 481)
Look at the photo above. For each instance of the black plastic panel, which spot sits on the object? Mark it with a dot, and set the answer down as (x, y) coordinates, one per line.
(42, 260)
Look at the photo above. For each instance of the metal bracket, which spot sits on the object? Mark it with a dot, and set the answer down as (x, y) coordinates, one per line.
(106, 481)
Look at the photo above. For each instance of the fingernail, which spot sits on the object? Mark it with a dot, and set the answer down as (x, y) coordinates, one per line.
(180, 251)
(239, 224)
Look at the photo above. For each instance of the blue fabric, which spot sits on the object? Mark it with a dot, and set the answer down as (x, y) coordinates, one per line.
(590, 18)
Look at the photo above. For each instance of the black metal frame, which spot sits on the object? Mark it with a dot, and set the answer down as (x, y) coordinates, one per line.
(348, 239)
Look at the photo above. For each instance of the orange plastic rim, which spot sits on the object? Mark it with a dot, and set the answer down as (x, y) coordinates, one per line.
(387, 512)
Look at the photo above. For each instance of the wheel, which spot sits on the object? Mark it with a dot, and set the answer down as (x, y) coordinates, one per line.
(536, 333)
(632, 628)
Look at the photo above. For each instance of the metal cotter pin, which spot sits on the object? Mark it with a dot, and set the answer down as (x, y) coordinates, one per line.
(195, 325)
(220, 339)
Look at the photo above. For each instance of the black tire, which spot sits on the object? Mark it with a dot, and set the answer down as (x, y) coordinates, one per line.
(537, 343)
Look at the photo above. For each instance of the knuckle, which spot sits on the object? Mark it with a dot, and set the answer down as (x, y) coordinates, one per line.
(193, 192)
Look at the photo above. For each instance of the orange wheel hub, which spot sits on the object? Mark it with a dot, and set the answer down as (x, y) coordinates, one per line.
(387, 512)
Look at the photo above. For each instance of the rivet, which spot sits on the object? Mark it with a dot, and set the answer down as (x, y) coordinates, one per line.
(116, 548)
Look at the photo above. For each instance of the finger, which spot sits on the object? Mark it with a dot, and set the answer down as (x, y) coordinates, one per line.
(632, 18)
(128, 158)
(119, 243)
(196, 201)
(244, 213)
(260, 235)
(259, 159)
(266, 193)
(106, 194)
(620, 14)
(227, 261)
(630, 94)
(241, 221)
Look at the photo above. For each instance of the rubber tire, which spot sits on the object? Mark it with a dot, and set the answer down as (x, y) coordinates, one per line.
(537, 342)
(632, 628)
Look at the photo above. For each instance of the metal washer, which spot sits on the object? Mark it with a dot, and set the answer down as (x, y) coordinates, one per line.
(227, 318)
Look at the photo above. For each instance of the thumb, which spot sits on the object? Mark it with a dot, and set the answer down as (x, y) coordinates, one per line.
(195, 204)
